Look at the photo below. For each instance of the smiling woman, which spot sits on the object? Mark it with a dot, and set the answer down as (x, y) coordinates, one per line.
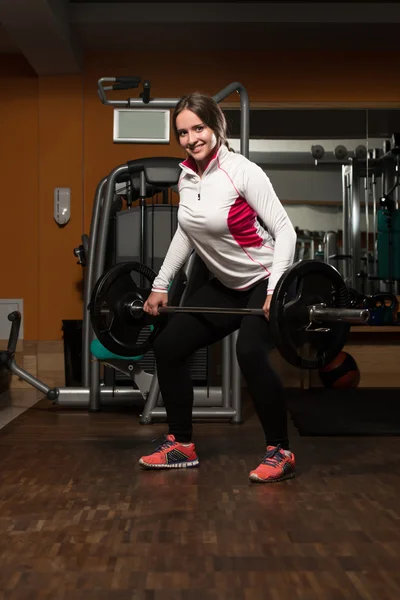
(223, 198)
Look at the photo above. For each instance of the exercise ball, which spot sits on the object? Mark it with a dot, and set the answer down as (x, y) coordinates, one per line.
(342, 372)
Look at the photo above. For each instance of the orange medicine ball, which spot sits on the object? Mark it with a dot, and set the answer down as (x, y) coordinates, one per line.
(341, 372)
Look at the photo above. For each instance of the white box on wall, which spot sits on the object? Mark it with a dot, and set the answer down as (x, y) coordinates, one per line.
(8, 305)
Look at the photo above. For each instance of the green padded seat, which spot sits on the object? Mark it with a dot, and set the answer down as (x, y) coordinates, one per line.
(101, 353)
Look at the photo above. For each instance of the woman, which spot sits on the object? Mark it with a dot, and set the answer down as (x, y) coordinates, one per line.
(222, 194)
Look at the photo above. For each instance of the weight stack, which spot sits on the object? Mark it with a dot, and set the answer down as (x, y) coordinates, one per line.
(161, 221)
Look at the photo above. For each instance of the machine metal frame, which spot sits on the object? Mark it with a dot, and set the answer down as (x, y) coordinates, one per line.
(215, 402)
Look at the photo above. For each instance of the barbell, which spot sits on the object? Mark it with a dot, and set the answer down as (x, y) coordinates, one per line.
(310, 314)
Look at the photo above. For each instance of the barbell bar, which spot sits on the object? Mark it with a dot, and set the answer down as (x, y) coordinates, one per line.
(317, 314)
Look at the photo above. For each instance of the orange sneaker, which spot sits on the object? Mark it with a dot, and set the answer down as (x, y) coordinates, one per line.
(171, 455)
(275, 466)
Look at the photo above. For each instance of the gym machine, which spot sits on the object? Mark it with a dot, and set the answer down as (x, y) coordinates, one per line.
(370, 182)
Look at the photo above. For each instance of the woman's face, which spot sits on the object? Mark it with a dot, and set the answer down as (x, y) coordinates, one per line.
(195, 137)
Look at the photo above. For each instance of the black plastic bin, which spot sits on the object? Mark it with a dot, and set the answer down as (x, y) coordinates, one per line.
(72, 330)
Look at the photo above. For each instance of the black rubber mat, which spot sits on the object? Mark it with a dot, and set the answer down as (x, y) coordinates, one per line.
(322, 412)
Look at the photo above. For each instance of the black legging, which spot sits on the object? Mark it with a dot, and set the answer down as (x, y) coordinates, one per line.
(186, 333)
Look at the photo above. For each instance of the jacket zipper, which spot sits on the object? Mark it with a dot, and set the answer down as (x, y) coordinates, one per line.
(208, 167)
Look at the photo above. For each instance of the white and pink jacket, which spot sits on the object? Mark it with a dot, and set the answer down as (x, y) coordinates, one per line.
(217, 217)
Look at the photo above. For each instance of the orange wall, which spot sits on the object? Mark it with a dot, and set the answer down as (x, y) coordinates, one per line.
(19, 192)
(61, 165)
(56, 133)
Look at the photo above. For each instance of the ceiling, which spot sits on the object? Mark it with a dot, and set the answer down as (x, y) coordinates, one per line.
(55, 34)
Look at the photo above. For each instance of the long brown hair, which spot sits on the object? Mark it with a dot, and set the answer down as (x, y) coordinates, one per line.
(208, 110)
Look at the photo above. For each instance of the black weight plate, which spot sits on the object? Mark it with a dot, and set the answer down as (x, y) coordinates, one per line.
(115, 327)
(304, 284)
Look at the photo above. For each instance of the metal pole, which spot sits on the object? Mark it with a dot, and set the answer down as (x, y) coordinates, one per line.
(143, 257)
(388, 180)
(108, 396)
(226, 371)
(94, 390)
(374, 225)
(388, 174)
(100, 255)
(134, 309)
(366, 200)
(212, 412)
(99, 258)
(87, 331)
(355, 226)
(346, 190)
(330, 248)
(25, 376)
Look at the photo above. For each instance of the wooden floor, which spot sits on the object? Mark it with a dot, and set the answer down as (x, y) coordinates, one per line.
(79, 519)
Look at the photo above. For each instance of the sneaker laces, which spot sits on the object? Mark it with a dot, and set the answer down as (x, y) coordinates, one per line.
(166, 443)
(273, 457)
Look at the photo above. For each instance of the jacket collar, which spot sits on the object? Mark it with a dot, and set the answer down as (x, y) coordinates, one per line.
(189, 165)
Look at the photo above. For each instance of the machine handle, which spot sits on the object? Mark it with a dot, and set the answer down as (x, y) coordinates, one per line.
(15, 318)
